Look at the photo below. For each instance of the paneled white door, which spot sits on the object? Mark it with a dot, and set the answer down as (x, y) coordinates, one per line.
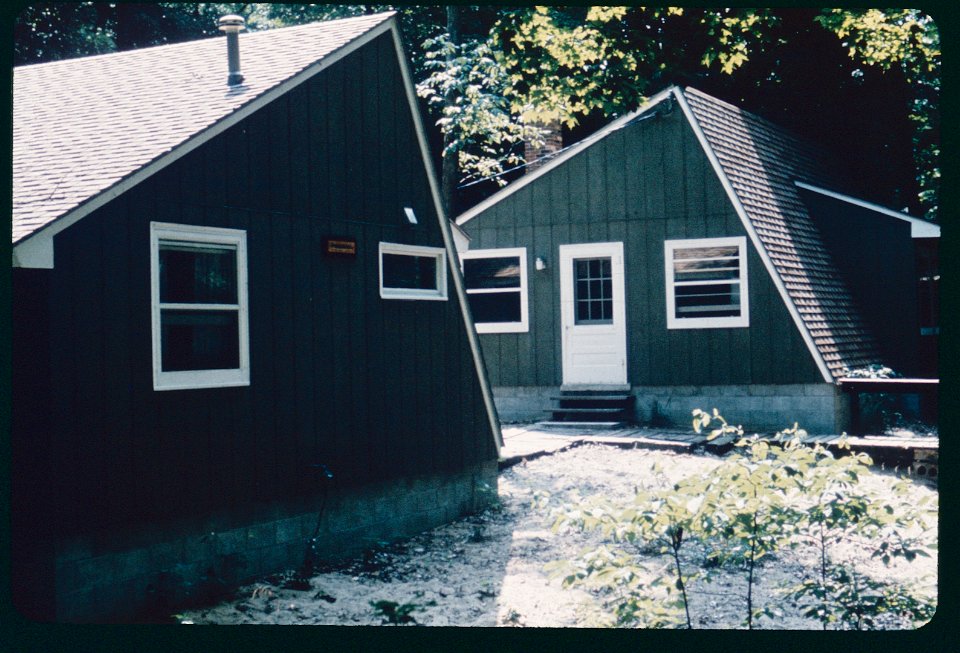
(592, 315)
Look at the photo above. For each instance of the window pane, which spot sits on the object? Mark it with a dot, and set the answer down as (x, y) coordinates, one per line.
(495, 307)
(199, 340)
(706, 263)
(596, 289)
(500, 272)
(405, 271)
(583, 311)
(712, 300)
(196, 274)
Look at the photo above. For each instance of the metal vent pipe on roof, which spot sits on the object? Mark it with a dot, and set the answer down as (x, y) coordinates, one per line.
(232, 24)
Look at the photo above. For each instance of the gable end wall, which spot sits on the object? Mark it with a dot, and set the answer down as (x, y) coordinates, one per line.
(642, 185)
(338, 375)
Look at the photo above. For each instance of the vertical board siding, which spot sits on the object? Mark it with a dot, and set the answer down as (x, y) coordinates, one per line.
(372, 388)
(645, 183)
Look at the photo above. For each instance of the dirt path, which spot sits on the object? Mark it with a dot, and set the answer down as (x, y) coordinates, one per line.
(488, 569)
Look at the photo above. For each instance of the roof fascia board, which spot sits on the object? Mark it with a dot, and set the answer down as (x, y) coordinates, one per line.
(453, 259)
(573, 151)
(34, 253)
(40, 253)
(754, 237)
(918, 228)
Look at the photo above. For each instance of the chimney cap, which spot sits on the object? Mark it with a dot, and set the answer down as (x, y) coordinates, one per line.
(231, 23)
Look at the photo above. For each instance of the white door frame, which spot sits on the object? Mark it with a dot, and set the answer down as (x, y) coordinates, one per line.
(593, 354)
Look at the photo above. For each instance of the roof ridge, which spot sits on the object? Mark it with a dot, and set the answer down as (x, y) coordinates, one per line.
(382, 16)
(776, 127)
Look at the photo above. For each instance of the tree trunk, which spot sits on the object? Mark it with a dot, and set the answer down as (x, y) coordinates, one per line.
(449, 171)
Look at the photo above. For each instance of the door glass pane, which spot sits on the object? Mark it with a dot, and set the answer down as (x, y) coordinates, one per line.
(583, 312)
(199, 340)
(406, 271)
(198, 274)
(593, 291)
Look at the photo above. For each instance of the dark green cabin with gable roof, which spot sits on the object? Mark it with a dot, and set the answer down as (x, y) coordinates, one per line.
(692, 255)
(237, 321)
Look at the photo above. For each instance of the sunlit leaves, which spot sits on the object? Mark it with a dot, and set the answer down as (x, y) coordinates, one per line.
(466, 82)
(766, 495)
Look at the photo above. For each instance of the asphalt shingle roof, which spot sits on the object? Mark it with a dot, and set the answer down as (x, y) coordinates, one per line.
(82, 125)
(762, 162)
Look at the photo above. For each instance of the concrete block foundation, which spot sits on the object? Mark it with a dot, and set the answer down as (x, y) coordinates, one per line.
(819, 408)
(150, 572)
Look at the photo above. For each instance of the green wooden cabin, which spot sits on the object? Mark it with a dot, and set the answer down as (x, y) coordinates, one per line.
(238, 323)
(691, 255)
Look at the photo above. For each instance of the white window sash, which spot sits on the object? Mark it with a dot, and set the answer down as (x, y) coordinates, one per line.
(438, 293)
(735, 321)
(522, 326)
(166, 233)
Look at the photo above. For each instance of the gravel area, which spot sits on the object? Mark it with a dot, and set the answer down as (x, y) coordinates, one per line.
(488, 569)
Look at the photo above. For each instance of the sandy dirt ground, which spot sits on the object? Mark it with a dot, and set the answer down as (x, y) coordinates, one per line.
(488, 569)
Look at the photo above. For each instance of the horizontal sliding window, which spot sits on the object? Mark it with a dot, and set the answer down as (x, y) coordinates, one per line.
(496, 286)
(412, 272)
(706, 283)
(199, 307)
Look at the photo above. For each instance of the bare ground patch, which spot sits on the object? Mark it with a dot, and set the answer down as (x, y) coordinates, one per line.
(488, 569)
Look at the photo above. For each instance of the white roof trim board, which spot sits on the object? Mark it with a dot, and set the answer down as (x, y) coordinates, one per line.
(918, 228)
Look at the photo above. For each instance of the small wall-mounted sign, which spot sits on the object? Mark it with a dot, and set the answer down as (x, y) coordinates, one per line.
(340, 246)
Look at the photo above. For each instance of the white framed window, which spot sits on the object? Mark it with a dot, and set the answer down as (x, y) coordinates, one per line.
(198, 286)
(413, 272)
(706, 283)
(496, 285)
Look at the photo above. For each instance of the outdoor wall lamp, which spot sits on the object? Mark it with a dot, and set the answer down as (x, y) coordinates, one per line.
(540, 263)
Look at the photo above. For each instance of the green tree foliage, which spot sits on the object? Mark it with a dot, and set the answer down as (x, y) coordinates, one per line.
(872, 75)
(571, 62)
(466, 84)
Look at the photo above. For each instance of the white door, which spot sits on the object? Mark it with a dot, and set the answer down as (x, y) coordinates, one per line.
(592, 316)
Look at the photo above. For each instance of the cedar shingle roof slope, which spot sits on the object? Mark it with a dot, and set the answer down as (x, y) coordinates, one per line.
(762, 162)
(82, 125)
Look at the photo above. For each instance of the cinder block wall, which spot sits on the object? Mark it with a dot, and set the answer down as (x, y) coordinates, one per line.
(154, 571)
(818, 408)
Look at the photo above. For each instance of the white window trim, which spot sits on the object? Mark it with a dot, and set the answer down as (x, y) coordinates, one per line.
(523, 326)
(673, 322)
(195, 379)
(439, 253)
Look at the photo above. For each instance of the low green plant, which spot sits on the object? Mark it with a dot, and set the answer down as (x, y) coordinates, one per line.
(393, 613)
(764, 496)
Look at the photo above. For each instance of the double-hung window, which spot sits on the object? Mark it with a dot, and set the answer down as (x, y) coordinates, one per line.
(199, 307)
(706, 283)
(496, 286)
(412, 272)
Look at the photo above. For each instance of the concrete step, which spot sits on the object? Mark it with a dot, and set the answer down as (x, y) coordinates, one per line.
(592, 397)
(584, 411)
(582, 425)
